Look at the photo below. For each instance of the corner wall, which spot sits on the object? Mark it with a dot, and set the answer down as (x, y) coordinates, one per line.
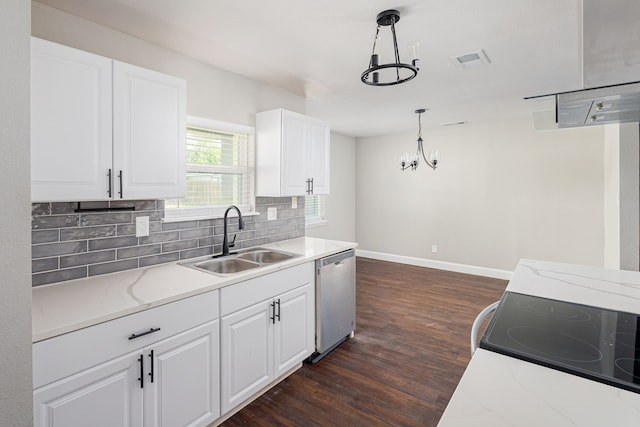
(501, 192)
(15, 293)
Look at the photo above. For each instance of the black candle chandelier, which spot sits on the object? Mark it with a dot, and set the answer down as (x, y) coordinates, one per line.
(392, 73)
(411, 160)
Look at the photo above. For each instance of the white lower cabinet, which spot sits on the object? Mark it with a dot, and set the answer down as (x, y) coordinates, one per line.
(104, 396)
(173, 381)
(266, 339)
(247, 354)
(183, 384)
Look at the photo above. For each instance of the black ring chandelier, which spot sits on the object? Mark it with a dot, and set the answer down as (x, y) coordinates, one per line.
(403, 72)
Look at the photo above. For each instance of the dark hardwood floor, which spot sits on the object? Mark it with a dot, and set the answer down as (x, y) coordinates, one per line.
(410, 349)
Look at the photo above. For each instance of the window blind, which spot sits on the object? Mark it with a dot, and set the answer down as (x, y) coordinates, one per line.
(314, 208)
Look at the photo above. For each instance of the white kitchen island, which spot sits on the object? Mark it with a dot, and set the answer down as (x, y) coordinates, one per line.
(498, 390)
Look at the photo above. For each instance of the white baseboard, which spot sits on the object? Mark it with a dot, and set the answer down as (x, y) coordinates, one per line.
(439, 265)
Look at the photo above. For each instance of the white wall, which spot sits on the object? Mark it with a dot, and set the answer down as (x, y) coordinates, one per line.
(211, 92)
(502, 192)
(622, 196)
(341, 203)
(15, 228)
(612, 196)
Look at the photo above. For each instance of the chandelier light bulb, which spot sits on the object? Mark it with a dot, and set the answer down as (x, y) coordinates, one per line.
(414, 53)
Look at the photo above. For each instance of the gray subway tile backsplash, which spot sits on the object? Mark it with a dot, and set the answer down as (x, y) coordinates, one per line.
(87, 258)
(138, 251)
(112, 267)
(67, 245)
(58, 275)
(53, 249)
(88, 232)
(45, 236)
(54, 221)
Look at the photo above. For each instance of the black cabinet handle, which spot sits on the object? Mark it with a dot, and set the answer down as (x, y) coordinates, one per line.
(151, 368)
(141, 377)
(141, 334)
(120, 177)
(110, 189)
(278, 303)
(311, 185)
(273, 317)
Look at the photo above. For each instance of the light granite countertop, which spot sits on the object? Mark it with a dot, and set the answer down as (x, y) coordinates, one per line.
(68, 306)
(498, 390)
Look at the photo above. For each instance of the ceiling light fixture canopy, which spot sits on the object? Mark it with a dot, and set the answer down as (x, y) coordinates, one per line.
(392, 73)
(411, 160)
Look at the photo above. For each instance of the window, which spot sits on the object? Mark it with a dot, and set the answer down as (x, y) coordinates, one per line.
(314, 210)
(219, 170)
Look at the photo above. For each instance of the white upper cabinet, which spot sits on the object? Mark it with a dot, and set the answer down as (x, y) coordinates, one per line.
(318, 160)
(70, 123)
(292, 154)
(102, 129)
(149, 131)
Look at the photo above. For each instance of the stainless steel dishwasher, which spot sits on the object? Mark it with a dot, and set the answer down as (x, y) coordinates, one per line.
(335, 301)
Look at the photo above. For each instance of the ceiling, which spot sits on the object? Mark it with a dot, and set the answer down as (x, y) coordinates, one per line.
(319, 49)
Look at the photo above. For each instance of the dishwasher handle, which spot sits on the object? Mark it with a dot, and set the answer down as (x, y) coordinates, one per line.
(338, 258)
(476, 324)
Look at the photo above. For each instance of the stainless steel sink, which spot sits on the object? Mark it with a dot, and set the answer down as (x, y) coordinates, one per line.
(266, 256)
(243, 260)
(226, 265)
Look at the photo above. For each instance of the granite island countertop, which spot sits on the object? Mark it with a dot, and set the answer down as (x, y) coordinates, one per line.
(498, 390)
(64, 307)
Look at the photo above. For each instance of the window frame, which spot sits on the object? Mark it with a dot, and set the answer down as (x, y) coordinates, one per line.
(208, 212)
(321, 217)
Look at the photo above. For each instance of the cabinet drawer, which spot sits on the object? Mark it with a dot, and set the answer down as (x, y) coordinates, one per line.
(64, 355)
(244, 294)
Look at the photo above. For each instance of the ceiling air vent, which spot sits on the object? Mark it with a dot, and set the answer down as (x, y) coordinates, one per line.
(470, 60)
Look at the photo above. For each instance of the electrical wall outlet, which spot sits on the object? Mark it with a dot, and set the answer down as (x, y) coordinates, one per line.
(272, 213)
(434, 249)
(294, 202)
(142, 226)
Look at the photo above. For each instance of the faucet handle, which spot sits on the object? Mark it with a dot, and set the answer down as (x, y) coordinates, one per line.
(233, 242)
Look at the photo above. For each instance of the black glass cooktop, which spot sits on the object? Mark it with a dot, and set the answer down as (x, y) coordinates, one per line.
(594, 343)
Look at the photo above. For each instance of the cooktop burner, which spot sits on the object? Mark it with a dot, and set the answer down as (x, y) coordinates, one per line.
(595, 343)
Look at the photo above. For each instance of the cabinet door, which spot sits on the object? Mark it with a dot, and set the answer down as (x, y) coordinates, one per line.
(186, 379)
(108, 395)
(319, 148)
(295, 329)
(149, 124)
(294, 166)
(70, 123)
(247, 353)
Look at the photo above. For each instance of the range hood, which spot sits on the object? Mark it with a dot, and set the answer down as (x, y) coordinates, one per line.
(610, 60)
(597, 106)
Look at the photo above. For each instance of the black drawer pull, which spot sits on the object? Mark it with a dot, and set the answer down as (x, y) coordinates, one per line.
(109, 192)
(141, 377)
(141, 334)
(151, 360)
(120, 177)
(272, 306)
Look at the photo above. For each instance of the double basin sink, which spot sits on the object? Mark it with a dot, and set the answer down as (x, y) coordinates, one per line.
(243, 260)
